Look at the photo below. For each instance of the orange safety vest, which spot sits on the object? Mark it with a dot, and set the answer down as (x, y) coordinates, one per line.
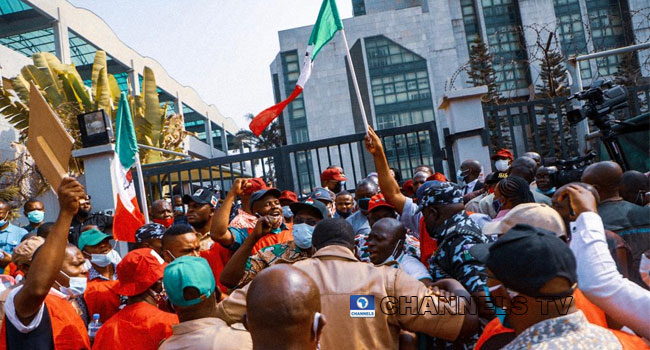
(68, 329)
(101, 298)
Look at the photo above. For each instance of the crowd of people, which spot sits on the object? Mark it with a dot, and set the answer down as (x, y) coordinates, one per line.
(511, 259)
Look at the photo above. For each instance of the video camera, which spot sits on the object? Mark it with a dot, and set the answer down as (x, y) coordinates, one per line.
(569, 170)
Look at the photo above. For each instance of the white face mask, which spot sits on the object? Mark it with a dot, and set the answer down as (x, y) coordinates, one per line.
(101, 260)
(395, 254)
(77, 285)
(501, 164)
(644, 269)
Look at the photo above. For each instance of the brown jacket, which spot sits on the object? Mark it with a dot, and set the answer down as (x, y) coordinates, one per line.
(339, 275)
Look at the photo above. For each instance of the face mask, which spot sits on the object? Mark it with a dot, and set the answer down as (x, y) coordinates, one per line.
(496, 205)
(644, 269)
(302, 234)
(499, 311)
(459, 176)
(343, 214)
(179, 209)
(501, 164)
(36, 216)
(170, 254)
(101, 260)
(4, 221)
(363, 204)
(83, 213)
(165, 222)
(394, 255)
(338, 187)
(77, 285)
(547, 193)
(286, 212)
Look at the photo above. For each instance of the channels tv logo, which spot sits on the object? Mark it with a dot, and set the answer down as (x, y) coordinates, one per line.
(362, 306)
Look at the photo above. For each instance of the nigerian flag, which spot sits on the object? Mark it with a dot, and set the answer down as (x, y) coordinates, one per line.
(128, 217)
(327, 24)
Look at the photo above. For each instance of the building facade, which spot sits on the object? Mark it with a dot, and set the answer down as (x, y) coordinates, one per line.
(74, 35)
(408, 53)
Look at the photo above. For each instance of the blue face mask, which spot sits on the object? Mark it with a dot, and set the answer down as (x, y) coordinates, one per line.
(101, 260)
(499, 311)
(302, 234)
(36, 216)
(4, 221)
(496, 204)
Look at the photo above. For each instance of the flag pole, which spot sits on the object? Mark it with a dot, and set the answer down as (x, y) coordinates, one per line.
(354, 81)
(138, 169)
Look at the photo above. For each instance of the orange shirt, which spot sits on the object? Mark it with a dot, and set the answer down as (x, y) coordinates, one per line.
(240, 235)
(68, 329)
(102, 299)
(217, 257)
(137, 326)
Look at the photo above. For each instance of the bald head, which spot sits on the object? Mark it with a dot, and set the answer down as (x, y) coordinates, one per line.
(633, 185)
(280, 306)
(605, 177)
(523, 167)
(386, 235)
(534, 156)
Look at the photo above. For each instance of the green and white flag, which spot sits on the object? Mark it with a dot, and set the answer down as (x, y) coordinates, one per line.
(327, 24)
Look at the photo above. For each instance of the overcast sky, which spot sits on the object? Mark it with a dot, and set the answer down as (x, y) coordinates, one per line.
(221, 48)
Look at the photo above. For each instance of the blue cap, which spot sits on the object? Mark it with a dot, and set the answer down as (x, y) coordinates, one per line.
(322, 194)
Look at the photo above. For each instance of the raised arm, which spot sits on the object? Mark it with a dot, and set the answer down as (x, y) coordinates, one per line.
(219, 230)
(389, 187)
(48, 261)
(236, 267)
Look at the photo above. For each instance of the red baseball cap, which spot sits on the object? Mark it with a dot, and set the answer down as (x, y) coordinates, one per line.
(377, 201)
(503, 153)
(333, 174)
(138, 271)
(437, 177)
(288, 195)
(255, 184)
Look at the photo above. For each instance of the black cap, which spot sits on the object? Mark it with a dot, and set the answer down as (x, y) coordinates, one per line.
(314, 206)
(261, 193)
(525, 258)
(202, 196)
(151, 230)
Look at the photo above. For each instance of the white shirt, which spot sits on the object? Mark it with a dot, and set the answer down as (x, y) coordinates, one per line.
(623, 300)
(469, 188)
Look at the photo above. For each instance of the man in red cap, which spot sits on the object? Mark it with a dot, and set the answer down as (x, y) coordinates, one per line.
(35, 316)
(140, 324)
(333, 178)
(245, 218)
(502, 159)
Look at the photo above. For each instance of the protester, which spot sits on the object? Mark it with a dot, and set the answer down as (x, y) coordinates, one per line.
(180, 240)
(545, 180)
(534, 156)
(37, 317)
(200, 211)
(419, 178)
(502, 159)
(162, 212)
(596, 270)
(359, 220)
(150, 236)
(338, 275)
(407, 188)
(191, 289)
(283, 310)
(287, 197)
(534, 214)
(34, 211)
(140, 324)
(386, 245)
(333, 179)
(344, 204)
(558, 323)
(630, 221)
(243, 267)
(179, 210)
(95, 246)
(635, 187)
(264, 203)
(86, 217)
(509, 193)
(473, 199)
(45, 229)
(245, 218)
(10, 234)
(468, 176)
(425, 168)
(326, 197)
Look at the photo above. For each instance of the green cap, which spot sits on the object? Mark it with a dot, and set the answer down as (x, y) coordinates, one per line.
(188, 271)
(91, 237)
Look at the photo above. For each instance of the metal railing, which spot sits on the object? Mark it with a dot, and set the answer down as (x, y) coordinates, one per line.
(297, 167)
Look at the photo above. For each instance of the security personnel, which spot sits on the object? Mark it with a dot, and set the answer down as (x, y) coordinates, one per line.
(84, 218)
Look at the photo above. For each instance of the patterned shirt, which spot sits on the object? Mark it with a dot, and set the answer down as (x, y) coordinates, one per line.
(94, 274)
(287, 252)
(452, 259)
(243, 220)
(570, 332)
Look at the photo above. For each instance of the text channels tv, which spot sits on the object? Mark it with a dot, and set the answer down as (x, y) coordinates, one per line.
(362, 306)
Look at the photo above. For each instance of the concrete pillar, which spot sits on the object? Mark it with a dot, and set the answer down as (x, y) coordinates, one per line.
(535, 15)
(61, 39)
(99, 183)
(224, 138)
(466, 137)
